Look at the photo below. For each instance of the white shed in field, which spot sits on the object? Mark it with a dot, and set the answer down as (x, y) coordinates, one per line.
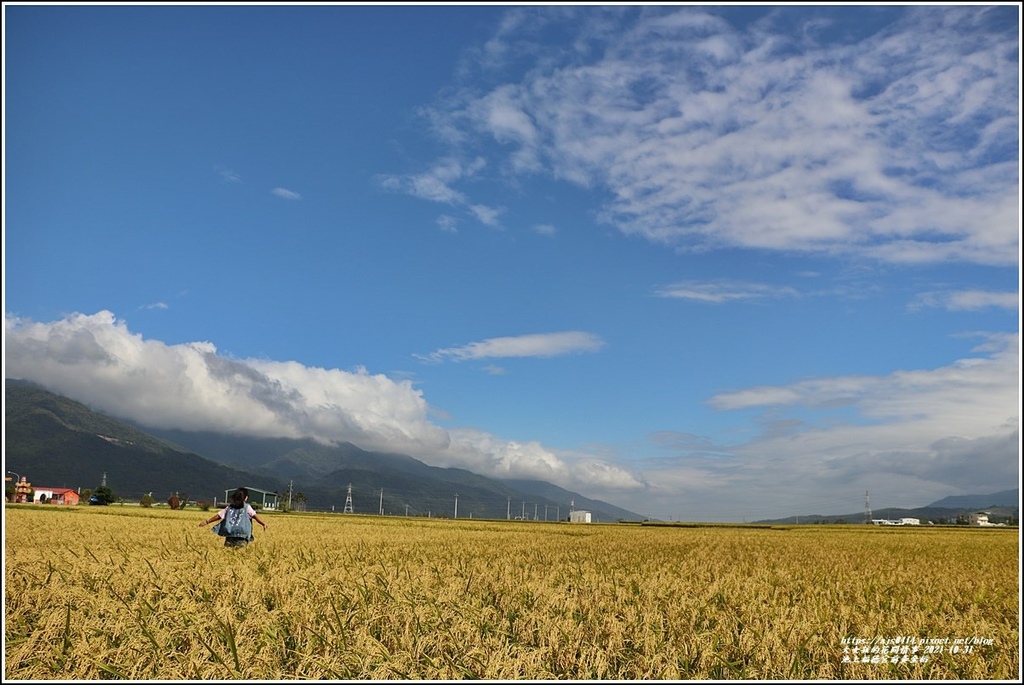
(579, 516)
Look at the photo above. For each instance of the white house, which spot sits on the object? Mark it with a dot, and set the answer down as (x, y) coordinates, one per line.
(980, 518)
(579, 516)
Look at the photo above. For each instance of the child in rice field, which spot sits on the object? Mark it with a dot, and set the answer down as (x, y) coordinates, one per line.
(236, 520)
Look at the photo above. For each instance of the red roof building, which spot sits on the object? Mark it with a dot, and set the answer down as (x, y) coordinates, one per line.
(65, 496)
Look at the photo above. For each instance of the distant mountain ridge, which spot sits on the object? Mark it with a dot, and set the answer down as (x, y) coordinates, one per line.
(1003, 504)
(55, 441)
(1003, 498)
(60, 441)
(552, 492)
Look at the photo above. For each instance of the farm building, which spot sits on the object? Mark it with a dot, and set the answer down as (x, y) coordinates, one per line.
(897, 522)
(980, 518)
(65, 496)
(263, 499)
(579, 517)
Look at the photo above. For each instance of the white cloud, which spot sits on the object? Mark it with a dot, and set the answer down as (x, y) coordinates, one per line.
(938, 396)
(435, 185)
(929, 432)
(448, 223)
(155, 305)
(544, 229)
(967, 300)
(485, 215)
(286, 194)
(534, 345)
(908, 437)
(907, 423)
(707, 136)
(96, 360)
(506, 118)
(511, 459)
(433, 188)
(718, 292)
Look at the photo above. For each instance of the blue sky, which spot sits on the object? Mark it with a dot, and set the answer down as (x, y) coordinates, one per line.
(705, 263)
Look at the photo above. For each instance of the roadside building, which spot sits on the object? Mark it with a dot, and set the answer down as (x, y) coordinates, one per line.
(263, 499)
(62, 496)
(579, 516)
(897, 522)
(980, 518)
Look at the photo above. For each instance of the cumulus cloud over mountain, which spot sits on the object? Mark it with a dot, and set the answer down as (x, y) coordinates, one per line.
(927, 429)
(97, 360)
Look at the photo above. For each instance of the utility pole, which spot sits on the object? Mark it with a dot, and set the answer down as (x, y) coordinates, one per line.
(456, 505)
(535, 511)
(867, 508)
(508, 510)
(382, 501)
(348, 500)
(524, 510)
(406, 509)
(290, 483)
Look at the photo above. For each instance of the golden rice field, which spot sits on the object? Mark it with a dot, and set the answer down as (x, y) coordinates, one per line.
(124, 592)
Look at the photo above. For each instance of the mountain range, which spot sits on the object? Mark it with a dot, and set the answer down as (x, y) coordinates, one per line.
(1004, 505)
(1004, 498)
(57, 442)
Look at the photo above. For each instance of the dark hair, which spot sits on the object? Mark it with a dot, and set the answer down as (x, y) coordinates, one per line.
(238, 497)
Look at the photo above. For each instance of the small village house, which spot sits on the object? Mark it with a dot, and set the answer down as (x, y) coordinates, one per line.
(980, 518)
(264, 499)
(25, 493)
(579, 516)
(62, 496)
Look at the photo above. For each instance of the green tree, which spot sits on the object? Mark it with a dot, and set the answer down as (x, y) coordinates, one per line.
(84, 495)
(105, 495)
(147, 500)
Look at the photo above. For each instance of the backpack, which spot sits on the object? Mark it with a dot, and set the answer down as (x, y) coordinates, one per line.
(235, 524)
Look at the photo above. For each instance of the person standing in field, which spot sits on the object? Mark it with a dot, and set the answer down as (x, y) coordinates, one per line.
(235, 520)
